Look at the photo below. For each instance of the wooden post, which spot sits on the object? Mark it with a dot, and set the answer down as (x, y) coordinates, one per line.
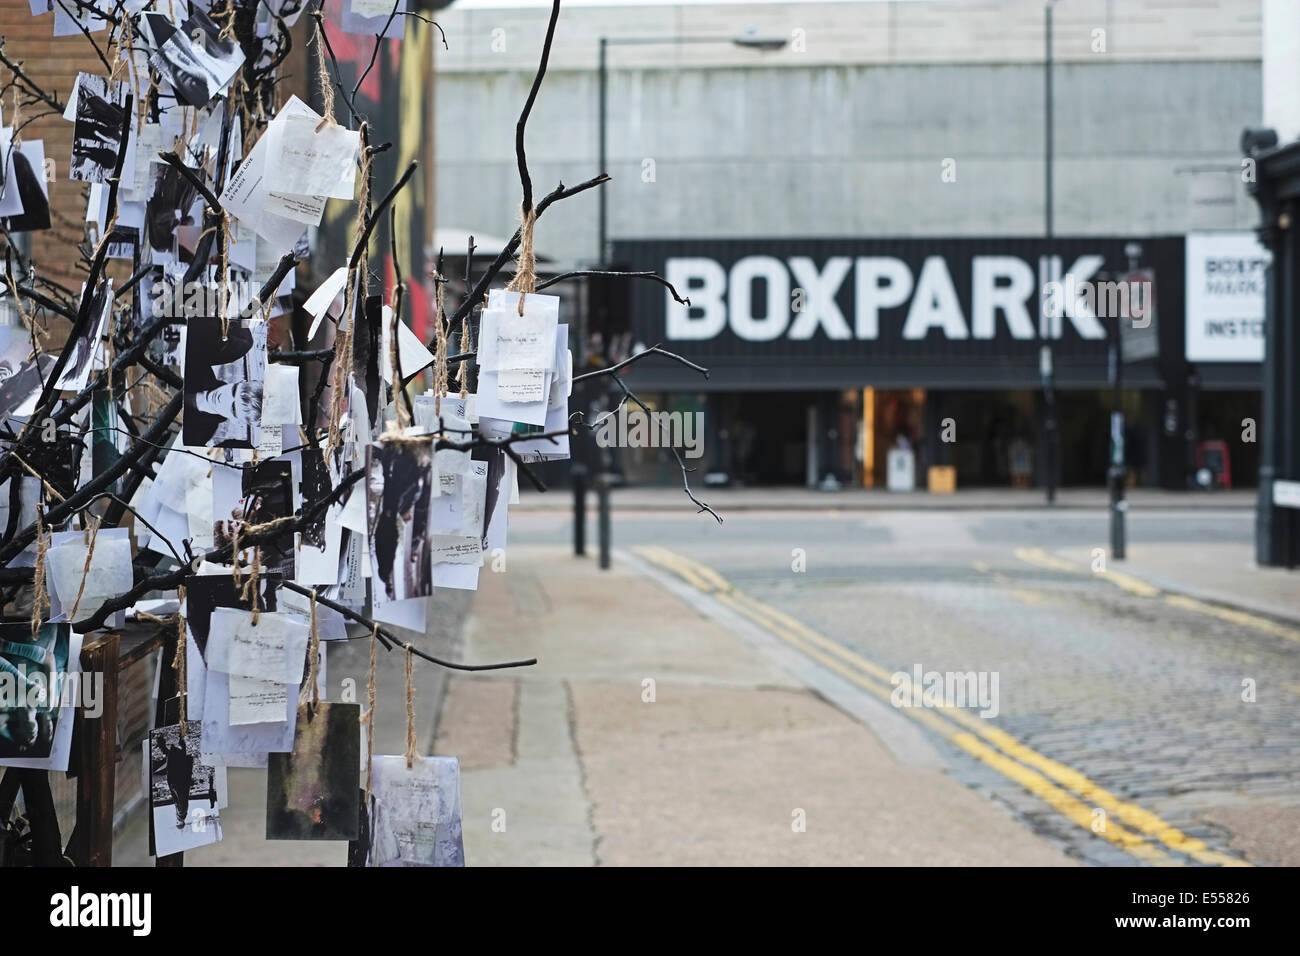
(97, 780)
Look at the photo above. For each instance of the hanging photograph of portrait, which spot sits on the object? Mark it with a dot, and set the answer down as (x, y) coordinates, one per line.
(197, 60)
(224, 379)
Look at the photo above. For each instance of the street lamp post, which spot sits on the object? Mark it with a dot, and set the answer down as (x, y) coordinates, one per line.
(603, 82)
(745, 41)
(1045, 353)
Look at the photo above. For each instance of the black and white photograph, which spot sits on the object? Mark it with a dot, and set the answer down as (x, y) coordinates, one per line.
(314, 487)
(22, 376)
(28, 166)
(182, 791)
(224, 378)
(314, 792)
(197, 61)
(265, 493)
(32, 671)
(171, 198)
(399, 486)
(97, 129)
(497, 487)
(77, 370)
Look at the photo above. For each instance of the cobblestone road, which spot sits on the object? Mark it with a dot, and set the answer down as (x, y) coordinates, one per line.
(1145, 698)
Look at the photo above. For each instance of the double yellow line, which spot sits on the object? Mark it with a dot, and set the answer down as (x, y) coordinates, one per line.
(1138, 832)
(1135, 586)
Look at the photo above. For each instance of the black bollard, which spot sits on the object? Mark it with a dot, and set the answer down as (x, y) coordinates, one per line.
(602, 494)
(579, 474)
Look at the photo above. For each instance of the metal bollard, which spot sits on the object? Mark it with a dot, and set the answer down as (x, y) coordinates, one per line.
(602, 495)
(579, 474)
(1118, 511)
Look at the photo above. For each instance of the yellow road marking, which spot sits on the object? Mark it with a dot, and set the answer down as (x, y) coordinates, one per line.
(1129, 583)
(835, 656)
(1035, 783)
(1234, 616)
(1039, 557)
(1044, 560)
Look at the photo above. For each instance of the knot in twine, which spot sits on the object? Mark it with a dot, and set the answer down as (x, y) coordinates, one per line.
(525, 280)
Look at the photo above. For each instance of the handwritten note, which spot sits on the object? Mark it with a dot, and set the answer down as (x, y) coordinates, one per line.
(258, 650)
(455, 549)
(315, 163)
(254, 701)
(524, 341)
(523, 385)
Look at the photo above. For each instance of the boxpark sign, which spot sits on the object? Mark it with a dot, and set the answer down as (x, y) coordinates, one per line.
(812, 313)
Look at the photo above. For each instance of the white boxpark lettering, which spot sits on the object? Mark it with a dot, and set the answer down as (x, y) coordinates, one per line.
(987, 296)
(754, 299)
(934, 304)
(882, 282)
(819, 307)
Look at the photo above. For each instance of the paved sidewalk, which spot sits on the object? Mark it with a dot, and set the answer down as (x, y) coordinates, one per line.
(1224, 573)
(655, 498)
(571, 763)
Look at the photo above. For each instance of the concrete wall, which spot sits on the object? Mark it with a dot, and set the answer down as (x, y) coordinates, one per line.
(846, 132)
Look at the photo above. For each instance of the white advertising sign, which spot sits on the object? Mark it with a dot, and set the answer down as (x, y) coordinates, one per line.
(1225, 297)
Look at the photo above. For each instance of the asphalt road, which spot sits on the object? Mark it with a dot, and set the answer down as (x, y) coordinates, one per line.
(1121, 729)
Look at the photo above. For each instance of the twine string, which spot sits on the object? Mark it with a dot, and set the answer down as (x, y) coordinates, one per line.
(403, 417)
(322, 77)
(92, 534)
(178, 659)
(369, 718)
(412, 751)
(525, 279)
(462, 374)
(440, 347)
(40, 597)
(310, 694)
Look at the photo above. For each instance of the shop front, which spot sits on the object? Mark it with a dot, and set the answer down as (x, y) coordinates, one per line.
(836, 362)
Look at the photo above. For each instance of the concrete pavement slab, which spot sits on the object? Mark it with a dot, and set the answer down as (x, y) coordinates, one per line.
(717, 761)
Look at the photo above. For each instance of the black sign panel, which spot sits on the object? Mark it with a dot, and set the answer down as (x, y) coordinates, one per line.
(843, 313)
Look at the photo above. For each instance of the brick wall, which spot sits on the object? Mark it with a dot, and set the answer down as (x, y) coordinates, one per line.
(53, 63)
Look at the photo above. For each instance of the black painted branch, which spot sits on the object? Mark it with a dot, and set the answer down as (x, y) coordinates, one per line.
(525, 180)
(87, 492)
(596, 273)
(653, 350)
